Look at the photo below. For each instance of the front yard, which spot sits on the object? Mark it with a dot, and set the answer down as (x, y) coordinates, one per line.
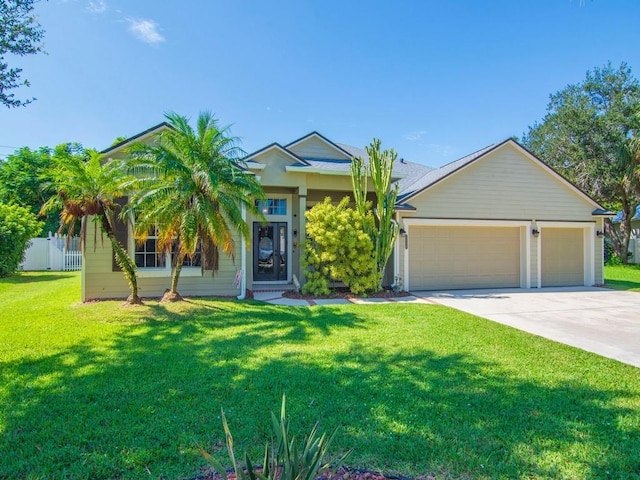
(102, 391)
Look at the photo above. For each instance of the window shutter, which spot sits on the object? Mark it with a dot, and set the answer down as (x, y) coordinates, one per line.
(121, 230)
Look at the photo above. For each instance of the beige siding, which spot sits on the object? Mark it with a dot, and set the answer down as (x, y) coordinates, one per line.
(562, 256)
(507, 185)
(274, 174)
(99, 281)
(464, 257)
(316, 148)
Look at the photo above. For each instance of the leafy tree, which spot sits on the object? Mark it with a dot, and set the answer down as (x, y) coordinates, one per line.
(22, 176)
(582, 133)
(87, 188)
(339, 249)
(17, 226)
(385, 230)
(20, 34)
(192, 188)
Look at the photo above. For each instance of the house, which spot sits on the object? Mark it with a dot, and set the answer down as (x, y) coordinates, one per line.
(496, 218)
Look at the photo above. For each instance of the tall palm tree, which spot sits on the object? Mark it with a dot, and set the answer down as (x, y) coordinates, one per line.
(628, 157)
(191, 188)
(88, 187)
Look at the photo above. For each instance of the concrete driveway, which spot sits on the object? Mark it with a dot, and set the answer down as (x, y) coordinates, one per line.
(599, 320)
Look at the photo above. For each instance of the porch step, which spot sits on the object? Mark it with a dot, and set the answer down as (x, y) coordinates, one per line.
(272, 288)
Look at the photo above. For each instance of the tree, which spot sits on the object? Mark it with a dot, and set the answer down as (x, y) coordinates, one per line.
(17, 226)
(191, 189)
(20, 34)
(87, 188)
(339, 249)
(581, 135)
(385, 230)
(22, 177)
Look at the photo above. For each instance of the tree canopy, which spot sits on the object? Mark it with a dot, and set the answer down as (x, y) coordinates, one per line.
(583, 134)
(20, 34)
(22, 176)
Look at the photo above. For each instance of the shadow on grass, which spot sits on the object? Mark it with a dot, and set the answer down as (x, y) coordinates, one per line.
(134, 406)
(37, 277)
(622, 284)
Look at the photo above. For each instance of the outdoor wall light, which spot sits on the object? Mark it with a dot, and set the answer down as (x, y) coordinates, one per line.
(599, 233)
(535, 232)
(403, 232)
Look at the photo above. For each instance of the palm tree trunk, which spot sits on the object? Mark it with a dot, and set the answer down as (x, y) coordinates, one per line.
(172, 295)
(124, 262)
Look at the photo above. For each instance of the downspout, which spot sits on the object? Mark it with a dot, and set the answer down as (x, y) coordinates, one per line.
(243, 262)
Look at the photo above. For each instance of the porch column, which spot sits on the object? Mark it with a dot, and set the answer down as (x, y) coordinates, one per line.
(302, 229)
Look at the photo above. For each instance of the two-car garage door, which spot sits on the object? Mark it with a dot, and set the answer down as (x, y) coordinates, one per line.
(443, 257)
(459, 257)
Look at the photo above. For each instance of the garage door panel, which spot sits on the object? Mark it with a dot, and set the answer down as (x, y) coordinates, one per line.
(562, 257)
(465, 257)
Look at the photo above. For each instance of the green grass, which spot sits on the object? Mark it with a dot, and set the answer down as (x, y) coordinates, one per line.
(104, 391)
(622, 277)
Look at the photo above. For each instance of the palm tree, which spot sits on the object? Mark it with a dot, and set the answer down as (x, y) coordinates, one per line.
(85, 188)
(190, 189)
(628, 157)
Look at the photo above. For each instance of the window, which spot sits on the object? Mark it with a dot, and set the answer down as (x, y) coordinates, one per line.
(147, 254)
(194, 260)
(272, 206)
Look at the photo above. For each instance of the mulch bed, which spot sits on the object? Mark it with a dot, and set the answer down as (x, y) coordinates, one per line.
(343, 292)
(343, 473)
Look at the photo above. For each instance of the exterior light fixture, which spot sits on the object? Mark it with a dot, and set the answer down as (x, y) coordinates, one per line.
(599, 233)
(535, 232)
(403, 232)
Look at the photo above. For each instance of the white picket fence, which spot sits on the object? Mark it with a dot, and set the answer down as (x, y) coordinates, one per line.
(634, 248)
(53, 253)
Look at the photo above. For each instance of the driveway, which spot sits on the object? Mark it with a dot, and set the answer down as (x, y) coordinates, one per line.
(599, 320)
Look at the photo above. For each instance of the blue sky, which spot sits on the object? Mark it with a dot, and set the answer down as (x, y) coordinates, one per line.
(433, 79)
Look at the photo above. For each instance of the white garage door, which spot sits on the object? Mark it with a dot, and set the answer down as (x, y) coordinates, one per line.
(562, 257)
(463, 257)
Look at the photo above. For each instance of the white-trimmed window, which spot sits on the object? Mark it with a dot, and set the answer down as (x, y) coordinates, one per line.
(272, 206)
(147, 254)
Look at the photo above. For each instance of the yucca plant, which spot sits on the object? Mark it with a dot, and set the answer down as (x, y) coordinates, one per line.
(283, 460)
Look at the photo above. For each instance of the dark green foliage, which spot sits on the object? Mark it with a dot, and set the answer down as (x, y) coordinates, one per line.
(20, 34)
(17, 226)
(582, 136)
(282, 458)
(23, 175)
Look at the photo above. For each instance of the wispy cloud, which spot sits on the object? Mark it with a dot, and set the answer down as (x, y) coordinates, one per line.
(146, 31)
(414, 136)
(98, 6)
(440, 149)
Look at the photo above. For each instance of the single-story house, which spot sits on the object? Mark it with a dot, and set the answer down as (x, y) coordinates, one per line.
(498, 217)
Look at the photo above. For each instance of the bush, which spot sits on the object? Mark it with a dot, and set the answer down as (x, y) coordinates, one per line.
(17, 226)
(338, 249)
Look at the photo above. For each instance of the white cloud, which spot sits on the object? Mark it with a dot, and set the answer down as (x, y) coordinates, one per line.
(445, 150)
(413, 136)
(146, 31)
(97, 6)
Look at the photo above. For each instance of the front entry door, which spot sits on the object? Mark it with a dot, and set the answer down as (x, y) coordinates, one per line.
(270, 262)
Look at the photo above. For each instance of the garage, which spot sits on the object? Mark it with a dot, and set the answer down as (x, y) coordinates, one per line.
(562, 253)
(459, 257)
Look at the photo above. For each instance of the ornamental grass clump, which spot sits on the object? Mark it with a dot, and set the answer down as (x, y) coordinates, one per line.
(283, 460)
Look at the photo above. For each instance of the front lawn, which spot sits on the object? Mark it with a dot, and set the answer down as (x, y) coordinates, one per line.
(104, 391)
(622, 277)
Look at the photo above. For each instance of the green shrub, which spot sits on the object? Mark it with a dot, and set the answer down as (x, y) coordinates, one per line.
(338, 249)
(282, 458)
(17, 226)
